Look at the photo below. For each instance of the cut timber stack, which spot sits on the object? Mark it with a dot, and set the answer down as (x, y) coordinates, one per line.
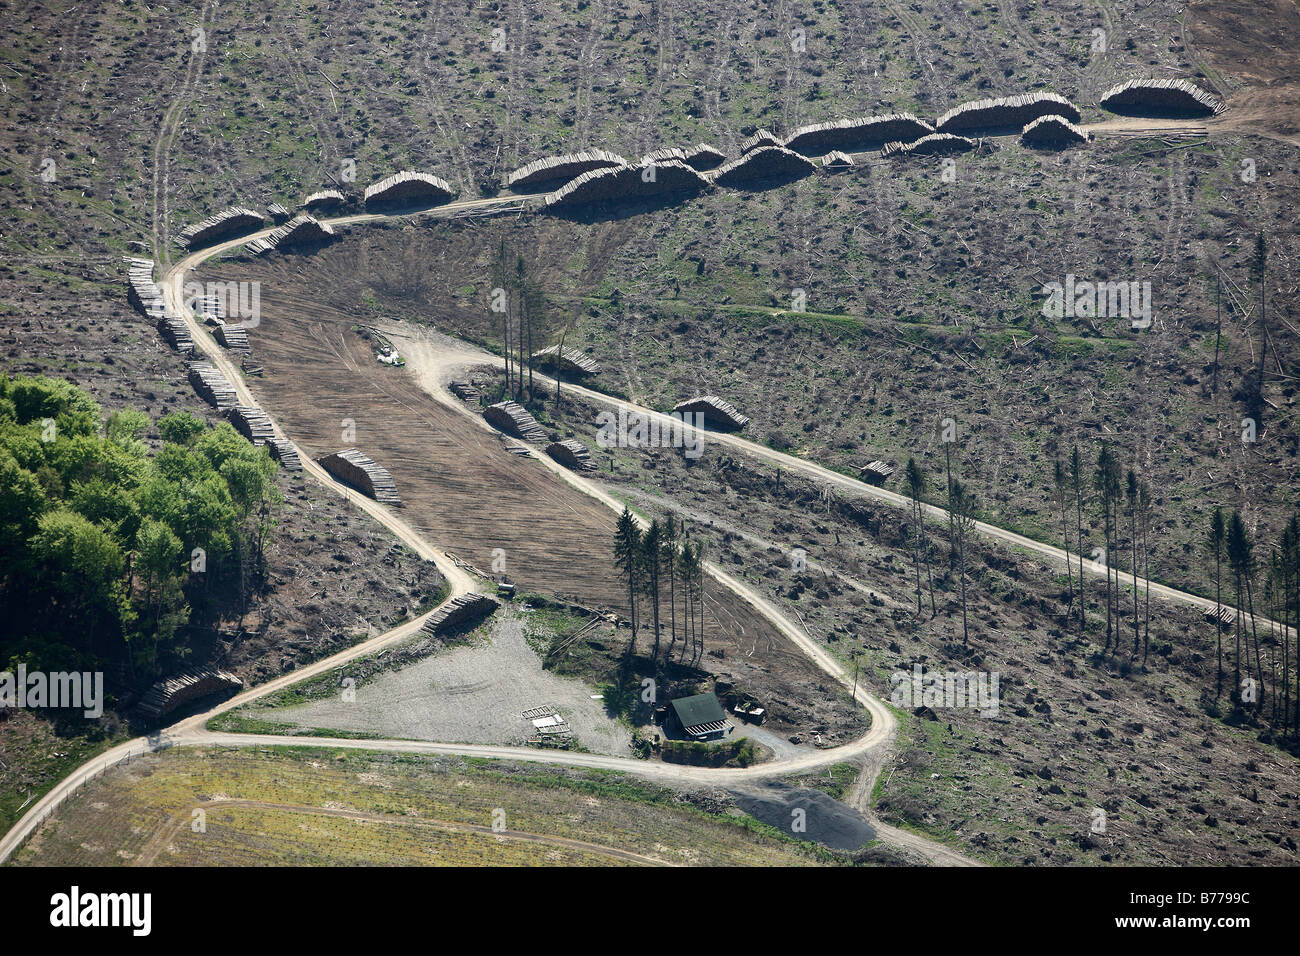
(301, 230)
(837, 162)
(936, 144)
(702, 156)
(409, 188)
(251, 422)
(284, 452)
(141, 290)
(569, 360)
(1225, 615)
(553, 170)
(767, 163)
(1005, 113)
(877, 471)
(233, 337)
(323, 201)
(353, 468)
(465, 391)
(1160, 98)
(1052, 132)
(277, 212)
(212, 386)
(166, 695)
(622, 183)
(571, 454)
(864, 134)
(513, 419)
(717, 412)
(236, 221)
(176, 332)
(761, 138)
(459, 611)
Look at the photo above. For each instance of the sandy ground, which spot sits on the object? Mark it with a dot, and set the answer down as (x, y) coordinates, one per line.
(471, 694)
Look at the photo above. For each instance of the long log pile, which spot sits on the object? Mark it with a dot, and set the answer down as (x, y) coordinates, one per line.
(621, 183)
(301, 230)
(1160, 98)
(460, 611)
(717, 412)
(177, 333)
(513, 419)
(251, 422)
(284, 452)
(236, 221)
(556, 169)
(860, 135)
(322, 201)
(167, 695)
(1004, 113)
(571, 454)
(141, 291)
(702, 156)
(212, 386)
(936, 144)
(761, 137)
(355, 469)
(409, 188)
(761, 165)
(1052, 132)
(233, 337)
(568, 360)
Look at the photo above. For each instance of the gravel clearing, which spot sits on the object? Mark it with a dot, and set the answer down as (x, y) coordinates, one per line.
(475, 694)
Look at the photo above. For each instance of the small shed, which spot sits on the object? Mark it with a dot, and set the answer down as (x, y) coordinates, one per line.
(698, 718)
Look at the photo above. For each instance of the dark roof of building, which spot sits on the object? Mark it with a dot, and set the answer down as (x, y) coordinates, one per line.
(698, 710)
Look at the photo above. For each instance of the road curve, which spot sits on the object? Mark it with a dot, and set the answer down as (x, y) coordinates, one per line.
(191, 731)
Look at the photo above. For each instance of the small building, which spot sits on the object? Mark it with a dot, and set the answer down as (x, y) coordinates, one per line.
(698, 718)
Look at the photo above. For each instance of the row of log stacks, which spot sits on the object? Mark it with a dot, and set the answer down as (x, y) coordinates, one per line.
(837, 162)
(459, 612)
(236, 221)
(167, 695)
(761, 138)
(233, 337)
(355, 469)
(1005, 113)
(716, 412)
(860, 135)
(408, 188)
(141, 290)
(324, 200)
(571, 454)
(765, 164)
(1052, 132)
(552, 170)
(628, 182)
(212, 386)
(1160, 98)
(569, 361)
(251, 422)
(176, 333)
(301, 230)
(283, 451)
(936, 144)
(513, 419)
